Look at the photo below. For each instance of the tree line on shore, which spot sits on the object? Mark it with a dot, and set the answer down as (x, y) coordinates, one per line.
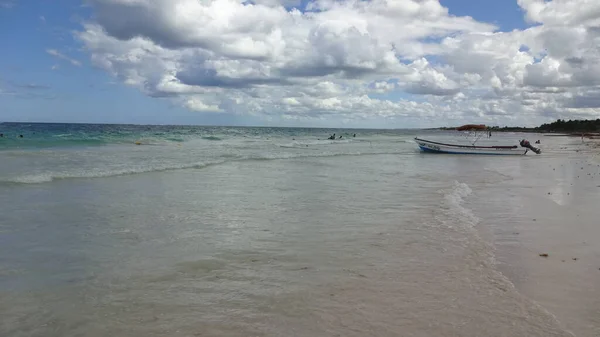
(564, 126)
(571, 126)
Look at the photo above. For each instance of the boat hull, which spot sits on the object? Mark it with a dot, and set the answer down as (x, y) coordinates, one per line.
(436, 147)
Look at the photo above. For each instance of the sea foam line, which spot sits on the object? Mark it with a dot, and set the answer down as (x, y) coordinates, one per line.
(483, 251)
(48, 177)
(45, 177)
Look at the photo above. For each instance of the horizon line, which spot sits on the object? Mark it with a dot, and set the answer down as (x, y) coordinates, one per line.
(256, 126)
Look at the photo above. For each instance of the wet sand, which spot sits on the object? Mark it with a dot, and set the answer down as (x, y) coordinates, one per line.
(551, 206)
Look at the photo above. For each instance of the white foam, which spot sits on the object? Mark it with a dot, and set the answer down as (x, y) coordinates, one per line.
(115, 162)
(455, 199)
(314, 142)
(97, 173)
(32, 179)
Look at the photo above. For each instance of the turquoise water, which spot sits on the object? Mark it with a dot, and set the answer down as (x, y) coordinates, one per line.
(36, 135)
(58, 151)
(225, 231)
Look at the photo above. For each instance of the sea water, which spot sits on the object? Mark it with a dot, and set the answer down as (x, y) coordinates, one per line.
(223, 231)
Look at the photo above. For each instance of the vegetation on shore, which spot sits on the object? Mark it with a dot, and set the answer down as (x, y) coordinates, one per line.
(560, 126)
(571, 126)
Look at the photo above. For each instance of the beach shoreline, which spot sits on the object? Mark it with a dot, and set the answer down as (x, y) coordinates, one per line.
(367, 236)
(543, 228)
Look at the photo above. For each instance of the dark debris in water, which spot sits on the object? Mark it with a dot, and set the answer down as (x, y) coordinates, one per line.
(544, 255)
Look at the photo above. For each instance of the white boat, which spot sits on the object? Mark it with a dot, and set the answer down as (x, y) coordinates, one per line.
(439, 147)
(436, 147)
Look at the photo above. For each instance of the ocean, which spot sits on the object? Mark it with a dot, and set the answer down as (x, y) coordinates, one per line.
(124, 230)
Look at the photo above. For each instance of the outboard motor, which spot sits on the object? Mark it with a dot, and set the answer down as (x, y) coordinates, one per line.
(525, 143)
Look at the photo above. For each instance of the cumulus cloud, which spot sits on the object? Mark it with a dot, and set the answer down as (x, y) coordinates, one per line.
(330, 58)
(562, 12)
(62, 56)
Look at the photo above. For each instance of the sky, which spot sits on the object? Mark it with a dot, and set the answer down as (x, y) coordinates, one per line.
(321, 63)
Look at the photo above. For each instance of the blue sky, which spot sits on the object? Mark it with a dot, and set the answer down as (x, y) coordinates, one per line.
(45, 88)
(506, 14)
(46, 74)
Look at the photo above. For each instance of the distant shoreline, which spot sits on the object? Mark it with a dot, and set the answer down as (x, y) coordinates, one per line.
(530, 130)
(572, 128)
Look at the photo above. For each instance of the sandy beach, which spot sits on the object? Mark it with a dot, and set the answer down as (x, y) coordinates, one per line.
(550, 206)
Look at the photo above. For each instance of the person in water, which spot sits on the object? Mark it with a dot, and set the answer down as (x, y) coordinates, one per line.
(332, 136)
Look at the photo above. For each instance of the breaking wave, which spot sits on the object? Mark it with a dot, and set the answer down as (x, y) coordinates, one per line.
(45, 177)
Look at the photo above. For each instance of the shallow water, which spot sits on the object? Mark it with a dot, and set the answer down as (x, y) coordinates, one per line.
(257, 234)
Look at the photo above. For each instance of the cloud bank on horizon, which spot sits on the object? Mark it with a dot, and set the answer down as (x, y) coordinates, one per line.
(351, 60)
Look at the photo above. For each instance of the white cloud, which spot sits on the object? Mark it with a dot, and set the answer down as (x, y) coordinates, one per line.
(4, 92)
(262, 59)
(562, 12)
(62, 56)
(196, 104)
(7, 3)
(382, 87)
